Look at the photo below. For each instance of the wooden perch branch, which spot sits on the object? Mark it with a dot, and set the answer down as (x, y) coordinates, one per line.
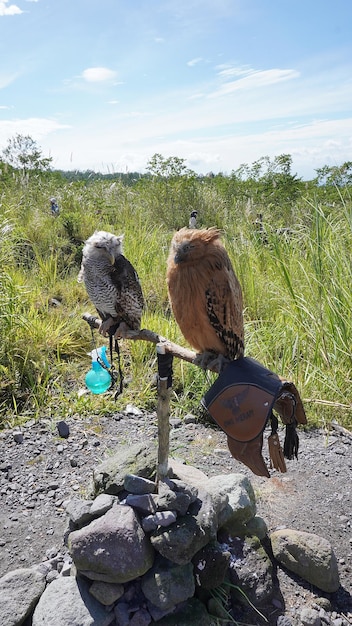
(148, 335)
(163, 346)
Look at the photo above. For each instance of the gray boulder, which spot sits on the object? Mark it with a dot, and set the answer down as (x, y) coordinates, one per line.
(139, 459)
(67, 602)
(82, 512)
(20, 591)
(256, 526)
(241, 506)
(112, 548)
(180, 541)
(171, 500)
(232, 494)
(138, 485)
(186, 473)
(309, 556)
(210, 565)
(251, 570)
(101, 504)
(167, 584)
(146, 503)
(192, 613)
(180, 486)
(106, 593)
(79, 511)
(161, 518)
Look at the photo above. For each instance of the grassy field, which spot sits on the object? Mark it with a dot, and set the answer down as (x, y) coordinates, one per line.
(296, 286)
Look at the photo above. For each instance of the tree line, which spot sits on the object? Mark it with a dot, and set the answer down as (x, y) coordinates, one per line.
(23, 153)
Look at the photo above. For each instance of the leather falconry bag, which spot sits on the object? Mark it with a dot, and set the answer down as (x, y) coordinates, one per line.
(241, 402)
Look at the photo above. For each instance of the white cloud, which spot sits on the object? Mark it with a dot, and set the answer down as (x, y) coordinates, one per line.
(98, 74)
(127, 146)
(11, 9)
(255, 80)
(194, 62)
(229, 71)
(37, 128)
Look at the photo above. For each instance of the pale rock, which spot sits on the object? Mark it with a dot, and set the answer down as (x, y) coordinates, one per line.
(241, 505)
(101, 504)
(309, 556)
(20, 590)
(67, 602)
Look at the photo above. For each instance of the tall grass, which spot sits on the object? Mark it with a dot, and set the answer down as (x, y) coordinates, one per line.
(297, 293)
(298, 308)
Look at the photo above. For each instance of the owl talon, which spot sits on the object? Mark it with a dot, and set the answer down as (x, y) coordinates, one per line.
(123, 331)
(211, 360)
(105, 325)
(203, 359)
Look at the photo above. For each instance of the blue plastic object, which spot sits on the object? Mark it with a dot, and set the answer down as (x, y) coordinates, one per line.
(102, 355)
(98, 378)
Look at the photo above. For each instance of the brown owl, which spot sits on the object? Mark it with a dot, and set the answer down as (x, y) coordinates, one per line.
(205, 295)
(112, 284)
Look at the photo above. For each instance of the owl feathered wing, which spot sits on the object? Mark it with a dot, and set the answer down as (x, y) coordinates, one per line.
(129, 303)
(224, 310)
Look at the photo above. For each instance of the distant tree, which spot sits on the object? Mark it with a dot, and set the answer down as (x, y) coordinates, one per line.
(279, 183)
(270, 180)
(337, 175)
(172, 189)
(23, 153)
(171, 167)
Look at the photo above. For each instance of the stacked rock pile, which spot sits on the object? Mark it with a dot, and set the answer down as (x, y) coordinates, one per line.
(142, 554)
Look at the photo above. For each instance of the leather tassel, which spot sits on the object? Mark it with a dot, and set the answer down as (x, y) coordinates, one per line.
(276, 454)
(275, 451)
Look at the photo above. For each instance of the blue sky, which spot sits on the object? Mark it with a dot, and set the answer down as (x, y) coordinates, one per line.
(105, 84)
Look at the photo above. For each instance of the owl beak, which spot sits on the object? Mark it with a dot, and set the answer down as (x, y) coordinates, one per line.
(179, 255)
(109, 255)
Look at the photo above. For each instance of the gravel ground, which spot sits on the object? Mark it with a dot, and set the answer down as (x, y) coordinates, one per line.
(39, 470)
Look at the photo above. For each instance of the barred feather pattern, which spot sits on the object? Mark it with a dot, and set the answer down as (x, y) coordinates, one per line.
(204, 292)
(234, 343)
